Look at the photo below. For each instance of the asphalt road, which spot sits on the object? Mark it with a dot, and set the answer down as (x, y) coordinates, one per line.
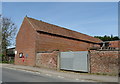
(12, 76)
(9, 75)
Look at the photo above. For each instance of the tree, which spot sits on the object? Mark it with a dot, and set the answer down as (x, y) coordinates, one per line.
(0, 35)
(108, 38)
(8, 34)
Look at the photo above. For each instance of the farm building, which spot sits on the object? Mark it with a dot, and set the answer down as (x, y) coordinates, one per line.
(11, 54)
(114, 44)
(37, 36)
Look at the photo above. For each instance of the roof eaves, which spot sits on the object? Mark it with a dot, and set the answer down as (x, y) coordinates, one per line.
(65, 37)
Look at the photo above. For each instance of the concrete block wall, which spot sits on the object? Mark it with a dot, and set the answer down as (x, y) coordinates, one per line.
(104, 62)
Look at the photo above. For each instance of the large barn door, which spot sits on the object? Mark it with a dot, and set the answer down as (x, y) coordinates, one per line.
(76, 61)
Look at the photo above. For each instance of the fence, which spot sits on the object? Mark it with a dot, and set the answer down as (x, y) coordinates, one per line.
(103, 62)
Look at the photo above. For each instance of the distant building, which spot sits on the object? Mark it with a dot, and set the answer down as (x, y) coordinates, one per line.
(11, 54)
(110, 45)
(38, 36)
(114, 44)
(11, 51)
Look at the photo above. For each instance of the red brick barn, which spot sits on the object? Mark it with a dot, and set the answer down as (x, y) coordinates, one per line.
(38, 36)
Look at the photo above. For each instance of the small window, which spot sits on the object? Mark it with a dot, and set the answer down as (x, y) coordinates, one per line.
(20, 55)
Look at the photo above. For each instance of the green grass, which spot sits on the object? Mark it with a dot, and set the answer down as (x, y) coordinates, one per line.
(105, 74)
(1, 55)
(3, 62)
(11, 62)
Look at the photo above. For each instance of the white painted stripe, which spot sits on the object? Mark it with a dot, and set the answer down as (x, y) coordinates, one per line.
(32, 72)
(76, 79)
(60, 77)
(48, 74)
(27, 71)
(82, 80)
(10, 68)
(38, 73)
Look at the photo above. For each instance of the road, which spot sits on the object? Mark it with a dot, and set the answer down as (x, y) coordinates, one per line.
(11, 75)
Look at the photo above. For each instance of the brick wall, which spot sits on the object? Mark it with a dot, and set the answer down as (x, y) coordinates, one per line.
(29, 42)
(104, 62)
(47, 60)
(25, 43)
(115, 44)
(46, 42)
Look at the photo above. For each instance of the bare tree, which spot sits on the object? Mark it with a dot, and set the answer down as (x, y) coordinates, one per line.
(8, 34)
(0, 38)
(0, 33)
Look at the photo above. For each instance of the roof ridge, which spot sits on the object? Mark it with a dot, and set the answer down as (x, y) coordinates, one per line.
(29, 21)
(58, 26)
(56, 29)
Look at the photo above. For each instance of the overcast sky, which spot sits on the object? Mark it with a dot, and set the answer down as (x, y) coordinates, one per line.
(91, 18)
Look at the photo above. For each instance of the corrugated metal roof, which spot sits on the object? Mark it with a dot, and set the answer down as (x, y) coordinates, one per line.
(50, 28)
